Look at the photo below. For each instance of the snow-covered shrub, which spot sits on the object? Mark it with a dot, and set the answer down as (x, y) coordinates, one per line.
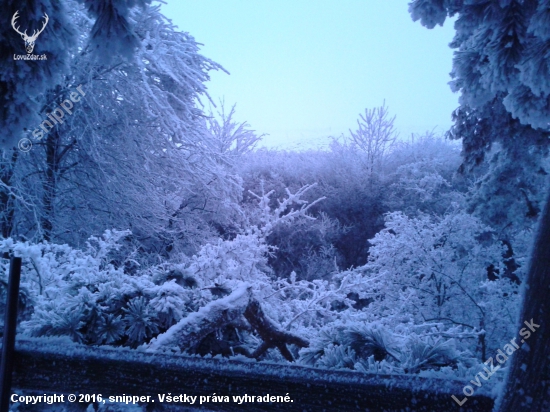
(420, 188)
(80, 294)
(223, 266)
(373, 347)
(435, 269)
(88, 296)
(307, 248)
(306, 306)
(361, 339)
(423, 355)
(243, 258)
(428, 301)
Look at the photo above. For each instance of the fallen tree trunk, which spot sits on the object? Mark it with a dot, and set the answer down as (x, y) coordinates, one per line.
(189, 331)
(270, 333)
(53, 366)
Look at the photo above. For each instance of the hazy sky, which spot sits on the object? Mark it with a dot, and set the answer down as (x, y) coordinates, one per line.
(303, 70)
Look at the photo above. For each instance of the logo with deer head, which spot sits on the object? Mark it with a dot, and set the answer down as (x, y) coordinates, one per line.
(29, 40)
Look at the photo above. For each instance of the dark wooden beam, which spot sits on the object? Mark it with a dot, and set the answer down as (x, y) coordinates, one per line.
(46, 366)
(10, 325)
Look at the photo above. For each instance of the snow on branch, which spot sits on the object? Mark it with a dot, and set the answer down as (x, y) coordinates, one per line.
(189, 331)
(217, 314)
(284, 213)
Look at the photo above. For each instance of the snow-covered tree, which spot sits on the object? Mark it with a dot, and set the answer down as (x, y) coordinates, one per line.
(501, 70)
(500, 53)
(136, 152)
(163, 175)
(23, 83)
(374, 136)
(435, 269)
(232, 138)
(422, 175)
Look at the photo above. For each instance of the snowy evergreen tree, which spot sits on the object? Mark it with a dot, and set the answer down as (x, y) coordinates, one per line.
(23, 83)
(501, 68)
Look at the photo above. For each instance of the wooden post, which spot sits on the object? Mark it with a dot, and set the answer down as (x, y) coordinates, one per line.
(527, 386)
(8, 341)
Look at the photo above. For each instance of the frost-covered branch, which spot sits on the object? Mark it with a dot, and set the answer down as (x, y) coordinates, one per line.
(189, 331)
(284, 213)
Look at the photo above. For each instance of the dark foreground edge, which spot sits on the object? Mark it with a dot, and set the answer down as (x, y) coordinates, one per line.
(53, 366)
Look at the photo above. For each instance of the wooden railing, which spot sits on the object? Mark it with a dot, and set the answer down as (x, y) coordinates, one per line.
(48, 366)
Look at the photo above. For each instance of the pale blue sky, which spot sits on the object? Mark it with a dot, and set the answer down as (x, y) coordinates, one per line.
(303, 70)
